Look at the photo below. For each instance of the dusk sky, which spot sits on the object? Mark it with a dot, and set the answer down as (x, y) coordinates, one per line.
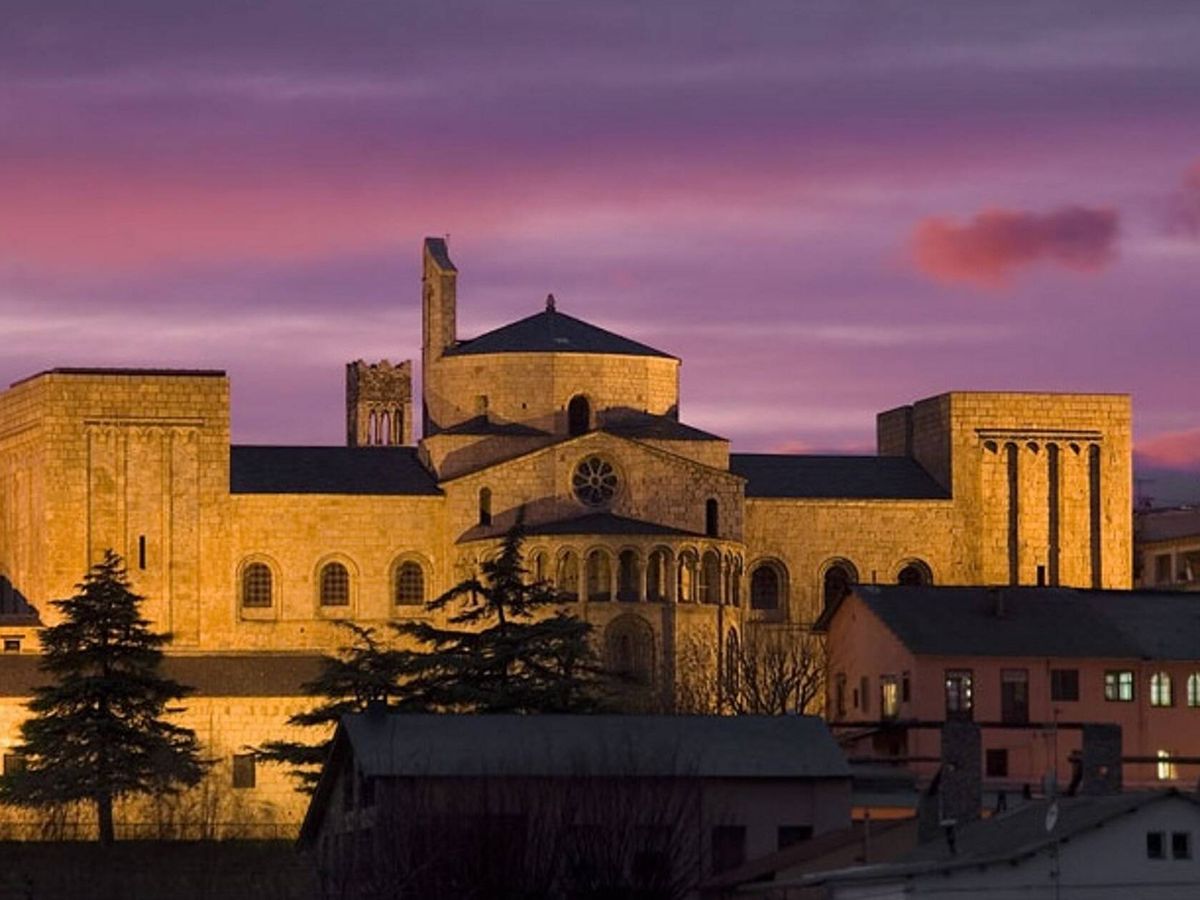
(825, 209)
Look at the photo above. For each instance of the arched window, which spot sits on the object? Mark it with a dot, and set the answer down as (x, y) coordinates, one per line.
(629, 649)
(410, 584)
(537, 567)
(733, 661)
(735, 582)
(629, 576)
(1160, 689)
(711, 518)
(566, 579)
(685, 588)
(765, 588)
(839, 575)
(256, 586)
(485, 506)
(335, 585)
(710, 578)
(658, 576)
(385, 428)
(1193, 689)
(372, 432)
(914, 573)
(599, 576)
(579, 415)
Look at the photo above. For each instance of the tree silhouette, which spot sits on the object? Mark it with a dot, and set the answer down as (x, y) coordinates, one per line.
(98, 731)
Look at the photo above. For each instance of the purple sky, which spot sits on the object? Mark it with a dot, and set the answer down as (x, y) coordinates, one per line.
(826, 209)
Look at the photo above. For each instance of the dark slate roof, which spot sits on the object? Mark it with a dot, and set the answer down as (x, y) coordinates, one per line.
(212, 675)
(649, 427)
(593, 523)
(552, 332)
(481, 425)
(440, 253)
(1053, 622)
(841, 477)
(566, 745)
(1006, 838)
(328, 470)
(125, 371)
(1169, 524)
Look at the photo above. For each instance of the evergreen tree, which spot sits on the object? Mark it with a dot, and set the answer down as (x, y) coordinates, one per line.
(364, 672)
(503, 650)
(97, 732)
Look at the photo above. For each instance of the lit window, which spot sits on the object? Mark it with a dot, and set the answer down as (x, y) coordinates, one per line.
(1160, 689)
(960, 693)
(1193, 689)
(410, 584)
(335, 585)
(1118, 686)
(1165, 769)
(244, 775)
(889, 696)
(256, 586)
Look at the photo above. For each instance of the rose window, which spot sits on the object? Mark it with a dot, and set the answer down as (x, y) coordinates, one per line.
(594, 481)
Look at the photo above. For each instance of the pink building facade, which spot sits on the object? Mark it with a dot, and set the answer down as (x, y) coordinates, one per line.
(1030, 666)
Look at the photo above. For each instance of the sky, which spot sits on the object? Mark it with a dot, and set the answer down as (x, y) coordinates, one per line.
(826, 209)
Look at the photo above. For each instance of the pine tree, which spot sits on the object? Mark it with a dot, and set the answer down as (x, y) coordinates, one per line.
(503, 651)
(98, 731)
(363, 673)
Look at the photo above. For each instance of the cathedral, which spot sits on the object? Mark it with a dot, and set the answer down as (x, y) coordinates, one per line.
(652, 529)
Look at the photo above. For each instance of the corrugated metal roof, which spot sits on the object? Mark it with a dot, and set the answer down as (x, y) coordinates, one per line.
(551, 745)
(552, 332)
(328, 470)
(840, 477)
(1031, 621)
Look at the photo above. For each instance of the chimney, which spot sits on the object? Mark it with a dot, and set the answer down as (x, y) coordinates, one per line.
(439, 297)
(1100, 759)
(956, 793)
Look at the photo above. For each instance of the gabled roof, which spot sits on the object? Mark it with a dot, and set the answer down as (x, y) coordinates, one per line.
(328, 470)
(551, 331)
(481, 425)
(835, 477)
(630, 424)
(1007, 838)
(1032, 621)
(571, 745)
(592, 523)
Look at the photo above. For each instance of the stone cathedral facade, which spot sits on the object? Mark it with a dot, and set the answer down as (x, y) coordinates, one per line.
(653, 529)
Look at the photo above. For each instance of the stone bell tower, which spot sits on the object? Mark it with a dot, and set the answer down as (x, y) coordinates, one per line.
(439, 289)
(378, 404)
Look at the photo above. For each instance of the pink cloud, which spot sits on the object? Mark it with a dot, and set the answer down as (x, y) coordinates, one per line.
(1172, 450)
(996, 242)
(1184, 213)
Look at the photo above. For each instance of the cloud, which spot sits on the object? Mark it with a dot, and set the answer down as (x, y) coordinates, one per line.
(996, 242)
(1171, 450)
(1183, 215)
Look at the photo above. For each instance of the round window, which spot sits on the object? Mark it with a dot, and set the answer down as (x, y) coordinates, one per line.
(594, 481)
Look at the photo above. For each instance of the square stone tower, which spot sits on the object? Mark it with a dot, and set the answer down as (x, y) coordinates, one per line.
(378, 403)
